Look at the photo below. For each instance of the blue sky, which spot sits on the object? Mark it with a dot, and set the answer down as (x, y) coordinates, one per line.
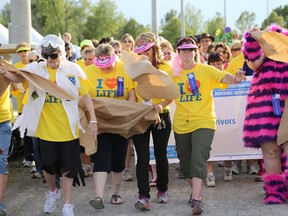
(141, 9)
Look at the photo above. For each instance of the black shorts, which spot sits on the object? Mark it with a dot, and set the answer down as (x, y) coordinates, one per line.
(60, 157)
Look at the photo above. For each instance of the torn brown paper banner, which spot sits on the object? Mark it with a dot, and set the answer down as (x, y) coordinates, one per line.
(151, 82)
(283, 128)
(274, 44)
(4, 83)
(116, 116)
(41, 83)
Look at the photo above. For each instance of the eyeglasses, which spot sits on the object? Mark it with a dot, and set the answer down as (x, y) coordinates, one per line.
(235, 49)
(52, 55)
(191, 50)
(127, 41)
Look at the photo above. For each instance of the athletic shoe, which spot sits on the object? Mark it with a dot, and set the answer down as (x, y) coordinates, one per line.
(37, 175)
(143, 204)
(87, 170)
(251, 170)
(67, 210)
(227, 174)
(210, 180)
(162, 197)
(127, 175)
(197, 207)
(27, 163)
(33, 170)
(3, 212)
(234, 168)
(50, 204)
(153, 183)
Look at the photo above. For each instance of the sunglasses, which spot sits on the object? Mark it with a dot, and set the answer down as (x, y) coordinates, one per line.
(117, 52)
(31, 60)
(51, 56)
(235, 49)
(127, 41)
(190, 49)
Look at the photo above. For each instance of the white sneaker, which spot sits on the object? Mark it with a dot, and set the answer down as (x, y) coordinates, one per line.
(27, 163)
(210, 180)
(67, 210)
(234, 168)
(252, 170)
(227, 174)
(50, 204)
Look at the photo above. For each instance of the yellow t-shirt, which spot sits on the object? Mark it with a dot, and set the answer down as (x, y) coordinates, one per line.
(236, 64)
(105, 84)
(22, 87)
(81, 63)
(5, 112)
(196, 111)
(166, 67)
(53, 123)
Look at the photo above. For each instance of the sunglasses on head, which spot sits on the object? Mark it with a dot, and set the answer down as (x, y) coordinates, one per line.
(190, 49)
(51, 56)
(127, 41)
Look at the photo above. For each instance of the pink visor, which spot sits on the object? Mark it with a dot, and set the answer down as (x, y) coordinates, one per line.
(187, 46)
(143, 47)
(104, 61)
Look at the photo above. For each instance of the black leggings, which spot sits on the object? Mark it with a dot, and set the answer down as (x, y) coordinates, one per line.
(160, 141)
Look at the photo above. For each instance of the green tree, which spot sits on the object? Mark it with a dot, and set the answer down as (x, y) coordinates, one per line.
(59, 16)
(283, 11)
(193, 19)
(245, 21)
(217, 22)
(5, 15)
(132, 27)
(104, 21)
(273, 18)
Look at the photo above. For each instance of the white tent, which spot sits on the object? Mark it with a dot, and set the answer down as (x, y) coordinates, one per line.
(4, 35)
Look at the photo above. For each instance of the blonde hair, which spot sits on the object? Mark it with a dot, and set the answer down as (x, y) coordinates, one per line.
(165, 43)
(149, 37)
(129, 37)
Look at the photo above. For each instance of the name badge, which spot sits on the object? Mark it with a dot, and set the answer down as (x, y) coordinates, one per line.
(276, 104)
(193, 84)
(120, 86)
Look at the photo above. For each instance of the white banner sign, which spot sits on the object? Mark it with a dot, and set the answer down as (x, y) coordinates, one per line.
(230, 105)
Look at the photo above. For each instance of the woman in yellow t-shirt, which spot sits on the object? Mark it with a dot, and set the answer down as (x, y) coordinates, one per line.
(55, 121)
(194, 121)
(147, 45)
(109, 79)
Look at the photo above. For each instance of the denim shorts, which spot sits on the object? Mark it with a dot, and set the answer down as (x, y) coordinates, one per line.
(5, 140)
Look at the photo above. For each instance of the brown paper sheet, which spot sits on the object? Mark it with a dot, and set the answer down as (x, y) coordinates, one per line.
(41, 82)
(274, 44)
(151, 82)
(116, 116)
(4, 83)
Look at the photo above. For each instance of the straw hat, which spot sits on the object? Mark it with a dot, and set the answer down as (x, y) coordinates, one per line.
(274, 44)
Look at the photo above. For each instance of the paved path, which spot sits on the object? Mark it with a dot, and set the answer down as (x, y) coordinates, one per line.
(242, 197)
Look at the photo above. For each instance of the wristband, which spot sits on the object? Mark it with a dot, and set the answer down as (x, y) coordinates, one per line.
(93, 122)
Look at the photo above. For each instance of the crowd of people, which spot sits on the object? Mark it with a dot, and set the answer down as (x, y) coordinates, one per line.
(197, 65)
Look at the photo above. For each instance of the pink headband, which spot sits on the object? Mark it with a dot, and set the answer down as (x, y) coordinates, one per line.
(143, 47)
(187, 46)
(104, 61)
